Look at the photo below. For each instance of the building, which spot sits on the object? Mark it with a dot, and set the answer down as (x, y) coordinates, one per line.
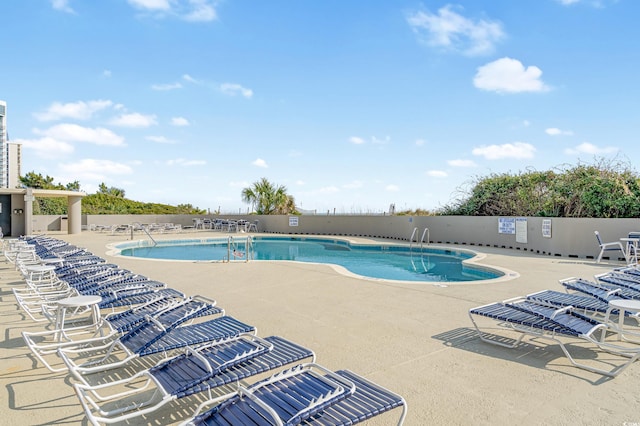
(4, 151)
(10, 154)
(15, 163)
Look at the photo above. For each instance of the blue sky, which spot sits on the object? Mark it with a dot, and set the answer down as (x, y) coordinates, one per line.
(351, 105)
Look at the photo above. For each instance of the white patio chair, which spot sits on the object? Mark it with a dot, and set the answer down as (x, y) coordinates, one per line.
(612, 246)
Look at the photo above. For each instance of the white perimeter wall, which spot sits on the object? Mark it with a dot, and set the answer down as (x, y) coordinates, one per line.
(569, 237)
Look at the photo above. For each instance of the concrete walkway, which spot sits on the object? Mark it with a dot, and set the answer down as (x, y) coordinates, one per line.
(415, 339)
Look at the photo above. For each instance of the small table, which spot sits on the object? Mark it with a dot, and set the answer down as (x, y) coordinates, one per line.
(74, 303)
(631, 245)
(39, 272)
(622, 305)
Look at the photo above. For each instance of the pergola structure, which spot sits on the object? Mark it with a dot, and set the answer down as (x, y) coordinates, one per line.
(16, 208)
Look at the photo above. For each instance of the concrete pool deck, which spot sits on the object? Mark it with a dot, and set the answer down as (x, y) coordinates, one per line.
(415, 339)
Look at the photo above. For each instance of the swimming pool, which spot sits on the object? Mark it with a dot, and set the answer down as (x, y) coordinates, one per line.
(378, 261)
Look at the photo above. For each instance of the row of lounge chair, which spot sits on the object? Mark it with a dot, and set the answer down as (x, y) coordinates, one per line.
(588, 311)
(194, 348)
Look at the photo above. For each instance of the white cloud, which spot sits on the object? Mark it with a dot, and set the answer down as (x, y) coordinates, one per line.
(567, 2)
(62, 5)
(134, 120)
(259, 162)
(179, 121)
(188, 10)
(187, 77)
(74, 133)
(200, 11)
(185, 163)
(76, 110)
(159, 139)
(167, 86)
(553, 131)
(46, 147)
(356, 140)
(95, 170)
(392, 188)
(589, 148)
(155, 5)
(233, 89)
(452, 31)
(420, 142)
(517, 150)
(510, 76)
(437, 173)
(462, 163)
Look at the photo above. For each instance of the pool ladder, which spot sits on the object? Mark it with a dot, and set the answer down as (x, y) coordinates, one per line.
(422, 241)
(234, 254)
(135, 226)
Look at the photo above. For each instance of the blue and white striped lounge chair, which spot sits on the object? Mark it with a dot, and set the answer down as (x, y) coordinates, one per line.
(196, 370)
(306, 394)
(619, 280)
(629, 270)
(602, 291)
(167, 311)
(134, 297)
(529, 318)
(48, 342)
(149, 338)
(588, 305)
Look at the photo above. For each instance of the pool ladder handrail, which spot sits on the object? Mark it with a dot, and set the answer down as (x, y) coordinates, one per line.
(133, 227)
(248, 249)
(413, 234)
(426, 231)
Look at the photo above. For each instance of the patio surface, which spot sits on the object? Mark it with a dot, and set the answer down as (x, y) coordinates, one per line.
(415, 339)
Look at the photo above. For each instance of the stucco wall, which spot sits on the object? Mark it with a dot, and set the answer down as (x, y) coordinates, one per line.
(569, 237)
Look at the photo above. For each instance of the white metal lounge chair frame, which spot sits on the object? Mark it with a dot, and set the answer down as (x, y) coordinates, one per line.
(100, 356)
(630, 353)
(84, 338)
(90, 395)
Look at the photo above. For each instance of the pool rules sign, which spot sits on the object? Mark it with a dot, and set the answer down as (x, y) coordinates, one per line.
(514, 225)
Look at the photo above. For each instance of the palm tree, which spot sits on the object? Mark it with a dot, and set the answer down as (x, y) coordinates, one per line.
(267, 198)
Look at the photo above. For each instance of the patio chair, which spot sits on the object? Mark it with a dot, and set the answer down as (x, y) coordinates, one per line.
(148, 338)
(607, 247)
(253, 226)
(543, 322)
(203, 369)
(306, 394)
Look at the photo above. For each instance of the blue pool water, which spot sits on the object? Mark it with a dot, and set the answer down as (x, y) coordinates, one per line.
(375, 261)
